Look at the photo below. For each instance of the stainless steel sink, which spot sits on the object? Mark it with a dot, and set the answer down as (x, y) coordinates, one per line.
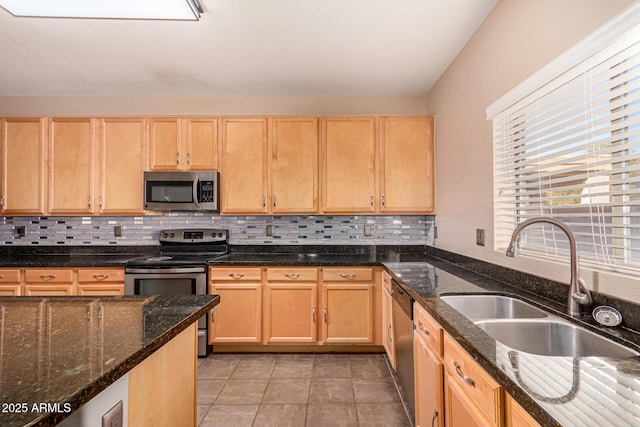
(552, 338)
(478, 307)
(529, 329)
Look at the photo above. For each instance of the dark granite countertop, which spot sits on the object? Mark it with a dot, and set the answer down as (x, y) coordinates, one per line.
(66, 350)
(71, 256)
(557, 391)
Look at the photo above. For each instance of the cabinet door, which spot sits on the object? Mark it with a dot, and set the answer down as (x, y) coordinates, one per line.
(516, 415)
(429, 378)
(347, 313)
(22, 166)
(407, 161)
(122, 162)
(10, 283)
(460, 409)
(387, 320)
(165, 136)
(244, 165)
(200, 144)
(294, 165)
(71, 166)
(348, 164)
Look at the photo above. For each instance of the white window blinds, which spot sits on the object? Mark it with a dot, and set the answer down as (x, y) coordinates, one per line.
(571, 150)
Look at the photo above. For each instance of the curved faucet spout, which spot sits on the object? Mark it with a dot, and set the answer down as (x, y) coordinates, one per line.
(578, 292)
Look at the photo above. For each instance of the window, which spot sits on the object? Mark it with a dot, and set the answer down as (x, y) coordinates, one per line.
(570, 149)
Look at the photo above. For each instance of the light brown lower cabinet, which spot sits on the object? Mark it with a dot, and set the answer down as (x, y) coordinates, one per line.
(295, 305)
(516, 416)
(387, 320)
(428, 370)
(10, 283)
(290, 306)
(100, 282)
(48, 282)
(162, 388)
(238, 317)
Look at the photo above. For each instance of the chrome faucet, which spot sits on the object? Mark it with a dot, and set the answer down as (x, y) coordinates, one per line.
(578, 292)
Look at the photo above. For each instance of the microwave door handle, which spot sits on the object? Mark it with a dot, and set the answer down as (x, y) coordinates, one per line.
(196, 184)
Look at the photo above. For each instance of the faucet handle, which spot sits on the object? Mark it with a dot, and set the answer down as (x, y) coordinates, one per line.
(583, 296)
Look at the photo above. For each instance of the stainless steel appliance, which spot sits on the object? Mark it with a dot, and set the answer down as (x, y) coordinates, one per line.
(181, 268)
(181, 191)
(402, 313)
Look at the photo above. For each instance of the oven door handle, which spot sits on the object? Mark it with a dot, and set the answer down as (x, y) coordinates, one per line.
(196, 184)
(164, 270)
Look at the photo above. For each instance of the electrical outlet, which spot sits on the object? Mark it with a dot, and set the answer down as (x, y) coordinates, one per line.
(117, 231)
(269, 230)
(368, 229)
(480, 236)
(114, 416)
(20, 231)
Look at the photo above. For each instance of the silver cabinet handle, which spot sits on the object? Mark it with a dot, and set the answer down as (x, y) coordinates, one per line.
(313, 312)
(48, 276)
(273, 199)
(100, 203)
(466, 378)
(291, 275)
(371, 201)
(89, 201)
(348, 275)
(389, 334)
(382, 200)
(100, 276)
(325, 314)
(435, 417)
(189, 159)
(177, 159)
(236, 275)
(2, 202)
(264, 202)
(422, 328)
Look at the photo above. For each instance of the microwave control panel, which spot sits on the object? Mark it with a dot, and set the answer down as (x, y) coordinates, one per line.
(207, 192)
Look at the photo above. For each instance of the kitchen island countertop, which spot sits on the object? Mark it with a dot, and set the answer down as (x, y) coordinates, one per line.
(59, 352)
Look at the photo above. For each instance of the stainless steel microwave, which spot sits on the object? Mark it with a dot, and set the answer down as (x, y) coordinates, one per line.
(181, 191)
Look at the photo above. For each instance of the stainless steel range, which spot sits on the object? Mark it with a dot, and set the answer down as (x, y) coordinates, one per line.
(180, 269)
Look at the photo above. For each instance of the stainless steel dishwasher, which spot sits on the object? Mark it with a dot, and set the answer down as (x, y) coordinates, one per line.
(402, 314)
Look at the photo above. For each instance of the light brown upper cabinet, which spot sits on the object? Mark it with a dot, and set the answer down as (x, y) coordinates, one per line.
(293, 180)
(183, 143)
(348, 153)
(244, 165)
(122, 161)
(71, 165)
(23, 165)
(407, 164)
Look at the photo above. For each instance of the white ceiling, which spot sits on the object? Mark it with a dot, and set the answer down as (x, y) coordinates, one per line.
(243, 48)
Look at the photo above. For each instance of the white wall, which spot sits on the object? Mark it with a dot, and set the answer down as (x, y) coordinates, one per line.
(127, 106)
(517, 39)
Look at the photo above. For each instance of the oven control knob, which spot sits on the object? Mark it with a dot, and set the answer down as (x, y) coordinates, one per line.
(165, 235)
(219, 234)
(172, 235)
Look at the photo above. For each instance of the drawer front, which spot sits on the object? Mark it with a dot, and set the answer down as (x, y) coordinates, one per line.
(102, 275)
(48, 276)
(428, 329)
(292, 274)
(9, 276)
(470, 377)
(386, 281)
(234, 274)
(342, 274)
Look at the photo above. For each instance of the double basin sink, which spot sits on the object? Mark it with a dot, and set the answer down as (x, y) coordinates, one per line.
(529, 329)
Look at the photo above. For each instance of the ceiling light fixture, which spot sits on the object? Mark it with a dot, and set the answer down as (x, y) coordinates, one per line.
(112, 9)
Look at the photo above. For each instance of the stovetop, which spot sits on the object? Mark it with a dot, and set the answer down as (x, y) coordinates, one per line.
(186, 247)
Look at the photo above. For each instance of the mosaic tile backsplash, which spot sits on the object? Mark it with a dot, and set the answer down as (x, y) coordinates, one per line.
(243, 230)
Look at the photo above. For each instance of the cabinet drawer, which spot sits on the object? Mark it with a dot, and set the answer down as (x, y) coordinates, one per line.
(357, 274)
(9, 276)
(231, 273)
(292, 274)
(471, 378)
(428, 329)
(48, 275)
(103, 275)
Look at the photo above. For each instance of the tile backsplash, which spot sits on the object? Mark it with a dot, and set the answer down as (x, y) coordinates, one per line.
(243, 230)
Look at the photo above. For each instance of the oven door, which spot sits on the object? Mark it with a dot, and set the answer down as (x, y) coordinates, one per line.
(170, 281)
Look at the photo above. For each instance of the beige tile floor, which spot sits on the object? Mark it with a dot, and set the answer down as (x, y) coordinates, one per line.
(298, 390)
